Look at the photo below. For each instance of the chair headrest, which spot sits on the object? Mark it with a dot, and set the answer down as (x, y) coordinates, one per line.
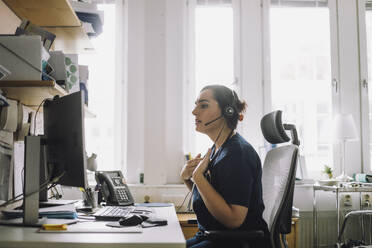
(273, 129)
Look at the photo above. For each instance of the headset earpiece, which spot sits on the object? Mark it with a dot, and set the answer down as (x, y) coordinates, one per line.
(229, 112)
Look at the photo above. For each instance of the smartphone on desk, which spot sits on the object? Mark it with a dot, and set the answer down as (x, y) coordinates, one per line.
(115, 191)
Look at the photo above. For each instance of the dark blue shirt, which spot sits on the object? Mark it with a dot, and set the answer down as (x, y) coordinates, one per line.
(235, 173)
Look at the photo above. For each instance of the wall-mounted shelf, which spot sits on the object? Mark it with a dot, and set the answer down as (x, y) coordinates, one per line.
(46, 13)
(71, 40)
(58, 17)
(32, 93)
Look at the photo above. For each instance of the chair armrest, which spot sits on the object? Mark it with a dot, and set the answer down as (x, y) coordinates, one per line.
(233, 235)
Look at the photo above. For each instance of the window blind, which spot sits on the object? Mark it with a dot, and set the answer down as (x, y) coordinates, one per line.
(300, 3)
(214, 2)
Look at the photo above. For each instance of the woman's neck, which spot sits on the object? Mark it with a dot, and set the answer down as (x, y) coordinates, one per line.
(219, 139)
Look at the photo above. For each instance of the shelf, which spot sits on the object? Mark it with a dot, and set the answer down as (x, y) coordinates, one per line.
(58, 17)
(45, 13)
(71, 40)
(31, 93)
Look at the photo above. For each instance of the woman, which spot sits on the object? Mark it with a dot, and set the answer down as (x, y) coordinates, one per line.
(226, 183)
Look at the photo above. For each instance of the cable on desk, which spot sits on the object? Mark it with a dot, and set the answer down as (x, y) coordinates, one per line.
(188, 205)
(41, 187)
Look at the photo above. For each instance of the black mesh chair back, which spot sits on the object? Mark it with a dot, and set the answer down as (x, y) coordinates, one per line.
(278, 175)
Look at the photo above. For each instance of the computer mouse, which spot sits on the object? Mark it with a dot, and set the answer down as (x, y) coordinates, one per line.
(131, 220)
(144, 216)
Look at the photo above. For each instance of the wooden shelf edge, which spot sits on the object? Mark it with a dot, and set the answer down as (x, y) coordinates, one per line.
(71, 40)
(27, 83)
(45, 12)
(31, 93)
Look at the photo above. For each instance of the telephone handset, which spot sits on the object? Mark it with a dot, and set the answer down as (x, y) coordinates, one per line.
(114, 189)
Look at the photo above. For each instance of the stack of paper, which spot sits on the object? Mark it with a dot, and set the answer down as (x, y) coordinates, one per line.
(56, 212)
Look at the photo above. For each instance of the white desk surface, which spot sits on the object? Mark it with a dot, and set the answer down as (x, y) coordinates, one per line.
(161, 236)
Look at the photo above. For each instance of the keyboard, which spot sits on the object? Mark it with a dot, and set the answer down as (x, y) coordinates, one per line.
(114, 213)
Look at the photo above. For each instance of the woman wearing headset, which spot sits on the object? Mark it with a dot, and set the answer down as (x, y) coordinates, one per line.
(226, 183)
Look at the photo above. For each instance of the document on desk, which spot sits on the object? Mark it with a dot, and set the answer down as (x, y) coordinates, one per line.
(94, 227)
(56, 212)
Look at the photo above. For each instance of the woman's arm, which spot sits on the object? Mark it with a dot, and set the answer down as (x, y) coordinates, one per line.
(187, 170)
(188, 183)
(230, 215)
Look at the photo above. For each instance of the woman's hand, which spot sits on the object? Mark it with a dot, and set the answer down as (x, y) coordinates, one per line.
(203, 165)
(189, 167)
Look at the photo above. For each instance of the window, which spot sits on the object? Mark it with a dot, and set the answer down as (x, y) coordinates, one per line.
(369, 59)
(301, 76)
(214, 54)
(100, 131)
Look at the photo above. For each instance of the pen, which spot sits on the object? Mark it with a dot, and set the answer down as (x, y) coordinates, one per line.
(54, 227)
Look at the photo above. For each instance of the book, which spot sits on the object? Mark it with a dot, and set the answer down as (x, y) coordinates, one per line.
(27, 28)
(56, 212)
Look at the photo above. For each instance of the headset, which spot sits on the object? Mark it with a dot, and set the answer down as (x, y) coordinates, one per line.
(229, 111)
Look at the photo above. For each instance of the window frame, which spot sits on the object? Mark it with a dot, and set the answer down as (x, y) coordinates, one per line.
(189, 84)
(335, 75)
(363, 75)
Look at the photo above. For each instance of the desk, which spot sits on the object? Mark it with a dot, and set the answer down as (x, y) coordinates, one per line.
(155, 237)
(337, 190)
(189, 229)
(188, 224)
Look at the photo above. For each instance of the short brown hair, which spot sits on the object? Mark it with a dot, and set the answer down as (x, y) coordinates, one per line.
(227, 97)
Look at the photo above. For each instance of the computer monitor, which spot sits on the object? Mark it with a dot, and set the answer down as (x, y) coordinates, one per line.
(59, 153)
(64, 132)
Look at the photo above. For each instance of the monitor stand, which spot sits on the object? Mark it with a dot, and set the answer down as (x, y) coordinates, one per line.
(35, 170)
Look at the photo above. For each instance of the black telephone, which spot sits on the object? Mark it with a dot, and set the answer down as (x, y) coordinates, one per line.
(114, 189)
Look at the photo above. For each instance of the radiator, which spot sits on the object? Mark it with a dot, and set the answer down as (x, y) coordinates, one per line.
(327, 229)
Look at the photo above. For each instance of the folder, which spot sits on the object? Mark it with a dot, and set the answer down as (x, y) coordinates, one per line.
(22, 56)
(56, 212)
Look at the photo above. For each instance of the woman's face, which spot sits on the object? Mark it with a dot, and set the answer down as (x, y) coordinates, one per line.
(206, 110)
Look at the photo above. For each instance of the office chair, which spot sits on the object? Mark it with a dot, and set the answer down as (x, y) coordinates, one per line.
(278, 180)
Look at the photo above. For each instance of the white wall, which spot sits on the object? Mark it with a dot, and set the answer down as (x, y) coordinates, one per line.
(155, 63)
(9, 21)
(251, 47)
(136, 88)
(349, 78)
(174, 158)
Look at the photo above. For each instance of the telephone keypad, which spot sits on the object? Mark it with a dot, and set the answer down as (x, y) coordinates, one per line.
(121, 194)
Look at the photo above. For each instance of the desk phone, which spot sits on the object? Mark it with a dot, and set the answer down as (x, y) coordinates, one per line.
(114, 188)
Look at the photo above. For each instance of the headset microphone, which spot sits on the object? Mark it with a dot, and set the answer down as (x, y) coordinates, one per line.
(210, 122)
